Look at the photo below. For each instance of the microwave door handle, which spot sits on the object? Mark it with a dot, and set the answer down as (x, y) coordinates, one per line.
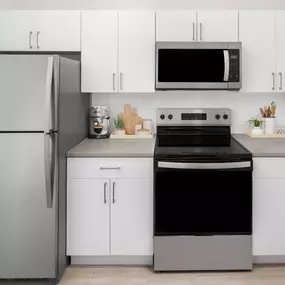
(227, 65)
(196, 165)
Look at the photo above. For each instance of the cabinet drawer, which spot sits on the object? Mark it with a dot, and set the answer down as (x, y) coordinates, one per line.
(109, 168)
(271, 167)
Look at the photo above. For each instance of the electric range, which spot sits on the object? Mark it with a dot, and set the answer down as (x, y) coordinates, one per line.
(202, 193)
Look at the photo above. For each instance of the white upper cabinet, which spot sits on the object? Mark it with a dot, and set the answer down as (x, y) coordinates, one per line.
(280, 48)
(217, 26)
(176, 26)
(17, 30)
(132, 217)
(136, 51)
(99, 57)
(39, 30)
(256, 32)
(87, 217)
(58, 30)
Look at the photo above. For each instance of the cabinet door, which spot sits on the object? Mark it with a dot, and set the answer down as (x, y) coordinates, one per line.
(88, 217)
(176, 26)
(99, 54)
(218, 26)
(268, 216)
(136, 51)
(256, 32)
(16, 30)
(280, 47)
(58, 31)
(132, 217)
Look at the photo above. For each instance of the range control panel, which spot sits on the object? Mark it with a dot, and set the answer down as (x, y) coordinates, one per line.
(195, 117)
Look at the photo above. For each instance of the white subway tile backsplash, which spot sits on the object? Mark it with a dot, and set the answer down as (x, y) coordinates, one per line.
(243, 105)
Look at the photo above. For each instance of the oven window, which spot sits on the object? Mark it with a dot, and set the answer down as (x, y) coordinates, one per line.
(203, 202)
(191, 65)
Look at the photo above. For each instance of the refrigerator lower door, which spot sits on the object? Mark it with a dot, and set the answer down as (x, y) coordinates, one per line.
(27, 226)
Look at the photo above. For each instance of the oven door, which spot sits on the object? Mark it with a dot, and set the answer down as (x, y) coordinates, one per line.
(194, 66)
(203, 198)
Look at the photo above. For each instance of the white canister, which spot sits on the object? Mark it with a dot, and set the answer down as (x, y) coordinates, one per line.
(147, 125)
(138, 127)
(269, 126)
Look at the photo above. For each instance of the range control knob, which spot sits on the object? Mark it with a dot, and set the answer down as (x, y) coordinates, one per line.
(162, 117)
(170, 117)
(225, 116)
(218, 117)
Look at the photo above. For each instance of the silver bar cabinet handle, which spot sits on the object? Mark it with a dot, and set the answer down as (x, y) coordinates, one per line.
(280, 81)
(38, 42)
(114, 79)
(273, 80)
(109, 167)
(121, 81)
(201, 27)
(114, 183)
(194, 37)
(105, 192)
(30, 39)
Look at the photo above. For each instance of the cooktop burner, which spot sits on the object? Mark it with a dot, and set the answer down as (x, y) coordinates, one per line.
(192, 134)
(234, 150)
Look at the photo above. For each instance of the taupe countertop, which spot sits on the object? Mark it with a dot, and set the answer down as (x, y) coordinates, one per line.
(145, 147)
(264, 147)
(113, 148)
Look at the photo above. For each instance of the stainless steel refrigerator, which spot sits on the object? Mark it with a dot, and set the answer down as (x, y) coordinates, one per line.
(42, 116)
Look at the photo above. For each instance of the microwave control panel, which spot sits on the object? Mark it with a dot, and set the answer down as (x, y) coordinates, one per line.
(234, 56)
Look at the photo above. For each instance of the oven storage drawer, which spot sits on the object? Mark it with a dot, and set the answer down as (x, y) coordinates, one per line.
(203, 199)
(202, 253)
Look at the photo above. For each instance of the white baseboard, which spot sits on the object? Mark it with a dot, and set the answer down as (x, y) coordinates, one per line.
(269, 259)
(148, 260)
(112, 260)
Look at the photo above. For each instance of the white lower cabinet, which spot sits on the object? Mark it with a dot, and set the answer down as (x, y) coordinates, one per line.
(131, 217)
(110, 216)
(269, 207)
(268, 217)
(87, 217)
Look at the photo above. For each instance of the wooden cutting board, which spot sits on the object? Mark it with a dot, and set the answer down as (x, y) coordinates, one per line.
(131, 119)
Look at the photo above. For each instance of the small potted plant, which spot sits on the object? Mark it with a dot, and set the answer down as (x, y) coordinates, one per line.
(119, 124)
(256, 124)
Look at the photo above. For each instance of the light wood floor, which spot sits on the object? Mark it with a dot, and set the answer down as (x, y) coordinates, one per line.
(261, 275)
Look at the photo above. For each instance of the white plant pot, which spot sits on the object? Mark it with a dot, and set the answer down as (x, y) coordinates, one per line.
(269, 126)
(120, 132)
(257, 131)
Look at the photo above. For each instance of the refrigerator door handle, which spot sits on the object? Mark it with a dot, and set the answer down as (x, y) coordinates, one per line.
(49, 161)
(47, 115)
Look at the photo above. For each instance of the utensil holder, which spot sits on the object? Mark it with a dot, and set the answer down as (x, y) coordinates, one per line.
(269, 126)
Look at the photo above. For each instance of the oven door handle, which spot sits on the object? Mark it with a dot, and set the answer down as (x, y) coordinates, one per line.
(196, 165)
(227, 65)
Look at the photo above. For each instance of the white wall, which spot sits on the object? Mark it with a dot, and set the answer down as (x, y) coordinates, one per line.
(243, 105)
(142, 4)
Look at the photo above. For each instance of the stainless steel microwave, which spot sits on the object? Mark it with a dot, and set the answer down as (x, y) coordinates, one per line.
(198, 65)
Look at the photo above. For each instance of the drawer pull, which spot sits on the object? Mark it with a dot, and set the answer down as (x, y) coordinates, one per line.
(109, 167)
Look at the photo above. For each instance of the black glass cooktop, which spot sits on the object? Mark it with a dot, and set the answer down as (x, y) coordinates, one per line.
(233, 151)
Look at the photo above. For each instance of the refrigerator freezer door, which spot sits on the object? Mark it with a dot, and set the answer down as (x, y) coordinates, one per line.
(28, 228)
(26, 83)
